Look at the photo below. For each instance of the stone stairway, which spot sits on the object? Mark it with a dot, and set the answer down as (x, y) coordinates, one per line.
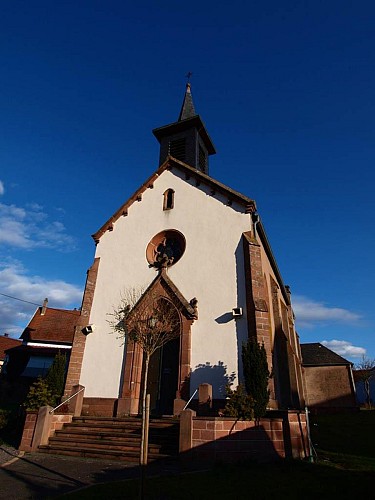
(114, 438)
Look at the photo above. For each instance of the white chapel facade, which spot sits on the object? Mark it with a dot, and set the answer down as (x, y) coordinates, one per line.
(201, 246)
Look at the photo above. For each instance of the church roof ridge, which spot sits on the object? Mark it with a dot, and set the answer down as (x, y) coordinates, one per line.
(169, 164)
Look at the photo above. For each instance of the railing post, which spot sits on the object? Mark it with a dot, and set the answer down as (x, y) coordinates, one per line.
(42, 427)
(186, 430)
(76, 403)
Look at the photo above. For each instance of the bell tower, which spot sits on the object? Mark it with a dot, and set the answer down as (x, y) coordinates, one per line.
(186, 139)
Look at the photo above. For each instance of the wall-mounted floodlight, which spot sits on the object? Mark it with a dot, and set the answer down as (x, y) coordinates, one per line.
(237, 312)
(88, 329)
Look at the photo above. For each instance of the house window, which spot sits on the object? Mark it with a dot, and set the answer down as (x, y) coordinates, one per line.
(177, 149)
(168, 202)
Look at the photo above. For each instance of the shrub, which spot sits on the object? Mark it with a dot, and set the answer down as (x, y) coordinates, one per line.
(56, 377)
(239, 404)
(39, 395)
(4, 418)
(256, 375)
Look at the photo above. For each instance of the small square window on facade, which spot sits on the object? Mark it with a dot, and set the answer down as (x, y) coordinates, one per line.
(168, 201)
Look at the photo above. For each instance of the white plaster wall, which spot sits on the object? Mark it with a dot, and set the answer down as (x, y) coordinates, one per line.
(208, 270)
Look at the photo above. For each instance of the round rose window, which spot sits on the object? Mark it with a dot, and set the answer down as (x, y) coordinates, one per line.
(165, 249)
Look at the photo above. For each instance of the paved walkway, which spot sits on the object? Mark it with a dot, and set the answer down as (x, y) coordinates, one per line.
(39, 476)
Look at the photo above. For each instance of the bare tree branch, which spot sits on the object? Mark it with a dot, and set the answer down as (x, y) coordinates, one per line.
(151, 321)
(365, 372)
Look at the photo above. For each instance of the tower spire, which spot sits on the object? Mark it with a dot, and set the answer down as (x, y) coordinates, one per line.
(187, 108)
(186, 139)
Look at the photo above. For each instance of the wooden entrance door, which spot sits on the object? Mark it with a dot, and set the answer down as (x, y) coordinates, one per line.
(163, 378)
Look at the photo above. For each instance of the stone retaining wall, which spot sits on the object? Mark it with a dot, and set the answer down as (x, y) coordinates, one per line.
(228, 440)
(30, 441)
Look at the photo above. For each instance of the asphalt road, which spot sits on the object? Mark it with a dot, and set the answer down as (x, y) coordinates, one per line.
(38, 476)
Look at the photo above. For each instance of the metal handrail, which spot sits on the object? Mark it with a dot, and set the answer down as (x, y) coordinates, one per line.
(69, 398)
(187, 404)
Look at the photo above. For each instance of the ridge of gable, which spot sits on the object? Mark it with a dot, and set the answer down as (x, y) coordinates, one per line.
(169, 164)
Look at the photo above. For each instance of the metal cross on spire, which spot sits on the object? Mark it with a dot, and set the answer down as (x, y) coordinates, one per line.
(188, 76)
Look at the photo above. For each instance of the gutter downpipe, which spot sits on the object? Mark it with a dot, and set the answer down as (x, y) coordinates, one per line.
(256, 219)
(311, 456)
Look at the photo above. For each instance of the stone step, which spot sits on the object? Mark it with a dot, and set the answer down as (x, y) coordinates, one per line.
(128, 421)
(103, 429)
(106, 437)
(71, 435)
(83, 451)
(103, 444)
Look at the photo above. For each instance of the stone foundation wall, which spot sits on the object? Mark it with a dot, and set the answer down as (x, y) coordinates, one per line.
(228, 440)
(28, 430)
(56, 423)
(99, 407)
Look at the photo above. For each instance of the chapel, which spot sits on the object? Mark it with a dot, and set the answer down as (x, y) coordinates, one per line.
(199, 247)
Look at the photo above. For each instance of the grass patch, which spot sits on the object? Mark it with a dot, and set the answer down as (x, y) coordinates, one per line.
(345, 439)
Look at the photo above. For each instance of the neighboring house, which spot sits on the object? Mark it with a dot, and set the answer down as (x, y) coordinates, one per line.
(50, 331)
(6, 343)
(359, 376)
(328, 378)
(201, 246)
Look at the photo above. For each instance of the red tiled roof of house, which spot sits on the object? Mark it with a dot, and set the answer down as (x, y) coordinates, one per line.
(56, 325)
(7, 343)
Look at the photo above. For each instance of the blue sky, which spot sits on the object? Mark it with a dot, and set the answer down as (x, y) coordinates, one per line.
(286, 90)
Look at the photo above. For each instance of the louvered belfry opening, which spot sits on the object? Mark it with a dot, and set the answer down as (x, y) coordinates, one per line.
(202, 159)
(177, 149)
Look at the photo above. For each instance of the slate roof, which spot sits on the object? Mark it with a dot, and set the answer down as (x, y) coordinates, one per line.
(56, 325)
(316, 354)
(187, 108)
(7, 343)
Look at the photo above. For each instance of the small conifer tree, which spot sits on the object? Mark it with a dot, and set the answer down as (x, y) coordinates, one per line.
(256, 375)
(239, 404)
(56, 378)
(39, 395)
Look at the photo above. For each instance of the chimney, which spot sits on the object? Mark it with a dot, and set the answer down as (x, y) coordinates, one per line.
(44, 307)
(6, 334)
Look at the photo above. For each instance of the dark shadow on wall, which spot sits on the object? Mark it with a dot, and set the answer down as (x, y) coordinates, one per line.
(224, 318)
(241, 322)
(216, 375)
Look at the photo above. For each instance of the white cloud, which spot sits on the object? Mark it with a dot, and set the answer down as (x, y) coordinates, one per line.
(344, 348)
(15, 281)
(29, 227)
(2, 190)
(310, 312)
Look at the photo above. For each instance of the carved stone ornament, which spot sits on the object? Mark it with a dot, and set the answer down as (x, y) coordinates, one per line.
(165, 249)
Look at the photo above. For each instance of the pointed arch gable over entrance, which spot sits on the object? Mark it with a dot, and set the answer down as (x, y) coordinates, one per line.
(130, 393)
